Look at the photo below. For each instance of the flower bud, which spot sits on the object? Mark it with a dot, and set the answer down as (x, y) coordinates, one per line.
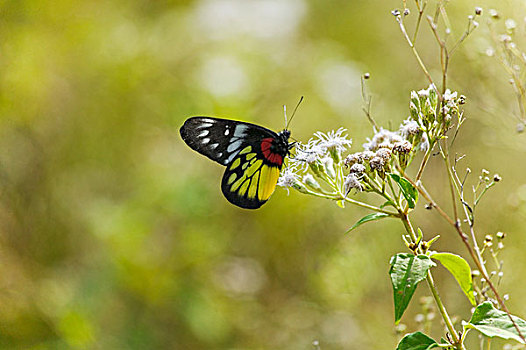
(413, 110)
(300, 188)
(311, 182)
(328, 167)
(433, 97)
(415, 99)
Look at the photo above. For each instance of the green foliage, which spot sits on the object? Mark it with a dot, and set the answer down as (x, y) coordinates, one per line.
(406, 271)
(408, 190)
(460, 269)
(495, 323)
(416, 341)
(114, 235)
(367, 218)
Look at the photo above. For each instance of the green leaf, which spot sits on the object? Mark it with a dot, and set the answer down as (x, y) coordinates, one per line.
(386, 203)
(408, 190)
(406, 272)
(416, 341)
(367, 218)
(495, 323)
(460, 269)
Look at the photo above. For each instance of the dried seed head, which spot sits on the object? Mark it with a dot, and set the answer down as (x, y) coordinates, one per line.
(496, 178)
(478, 11)
(366, 76)
(395, 12)
(494, 14)
(352, 159)
(367, 155)
(462, 98)
(400, 328)
(510, 24)
(406, 12)
(377, 163)
(488, 238)
(384, 153)
(351, 181)
(409, 127)
(358, 169)
(500, 235)
(403, 147)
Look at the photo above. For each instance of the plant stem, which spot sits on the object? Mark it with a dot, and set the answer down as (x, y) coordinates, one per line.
(430, 282)
(415, 53)
(475, 257)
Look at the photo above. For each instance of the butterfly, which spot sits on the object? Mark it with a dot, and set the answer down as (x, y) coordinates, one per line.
(253, 156)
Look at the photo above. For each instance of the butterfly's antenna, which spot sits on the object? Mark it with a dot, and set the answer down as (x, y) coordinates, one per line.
(293, 113)
(285, 112)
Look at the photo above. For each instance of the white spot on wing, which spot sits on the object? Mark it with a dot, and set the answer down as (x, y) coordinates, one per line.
(206, 120)
(203, 133)
(204, 125)
(214, 145)
(230, 158)
(234, 145)
(205, 140)
(240, 130)
(227, 132)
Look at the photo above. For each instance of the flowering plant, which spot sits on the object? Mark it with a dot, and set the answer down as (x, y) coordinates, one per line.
(322, 168)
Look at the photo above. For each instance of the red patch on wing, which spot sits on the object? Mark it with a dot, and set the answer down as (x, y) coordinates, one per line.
(270, 156)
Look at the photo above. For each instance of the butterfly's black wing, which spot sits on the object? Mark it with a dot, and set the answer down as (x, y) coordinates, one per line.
(252, 154)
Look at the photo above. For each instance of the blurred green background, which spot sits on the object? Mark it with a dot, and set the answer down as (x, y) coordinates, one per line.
(115, 235)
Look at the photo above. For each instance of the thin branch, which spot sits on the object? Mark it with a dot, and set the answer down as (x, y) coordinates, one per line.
(471, 252)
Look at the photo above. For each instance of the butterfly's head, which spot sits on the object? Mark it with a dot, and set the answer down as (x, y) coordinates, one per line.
(282, 145)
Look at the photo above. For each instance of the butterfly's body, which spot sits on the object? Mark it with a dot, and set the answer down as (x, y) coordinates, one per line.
(253, 156)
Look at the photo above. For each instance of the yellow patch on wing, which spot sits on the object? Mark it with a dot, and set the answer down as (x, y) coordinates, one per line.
(231, 179)
(267, 181)
(254, 167)
(238, 183)
(252, 190)
(235, 163)
(245, 150)
(244, 187)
